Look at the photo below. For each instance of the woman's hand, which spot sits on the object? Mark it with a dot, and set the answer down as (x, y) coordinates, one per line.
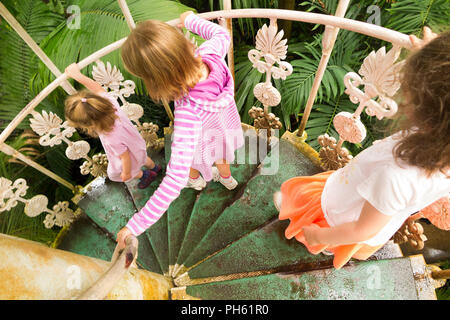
(310, 233)
(428, 36)
(122, 236)
(183, 18)
(73, 71)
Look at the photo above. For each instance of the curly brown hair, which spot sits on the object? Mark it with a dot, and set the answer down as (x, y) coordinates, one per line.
(425, 85)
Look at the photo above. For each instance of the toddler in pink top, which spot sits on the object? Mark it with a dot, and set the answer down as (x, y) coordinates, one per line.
(99, 114)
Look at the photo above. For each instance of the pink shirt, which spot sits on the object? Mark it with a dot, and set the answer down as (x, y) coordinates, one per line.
(123, 137)
(207, 125)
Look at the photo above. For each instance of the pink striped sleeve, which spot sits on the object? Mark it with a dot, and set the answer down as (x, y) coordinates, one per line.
(187, 129)
(218, 38)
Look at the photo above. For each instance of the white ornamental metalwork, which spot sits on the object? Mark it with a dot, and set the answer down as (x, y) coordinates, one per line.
(267, 58)
(13, 193)
(53, 131)
(270, 50)
(379, 76)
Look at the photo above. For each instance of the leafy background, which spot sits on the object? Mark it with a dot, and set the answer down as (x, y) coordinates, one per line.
(22, 75)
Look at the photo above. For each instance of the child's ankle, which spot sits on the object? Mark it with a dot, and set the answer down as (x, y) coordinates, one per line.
(225, 177)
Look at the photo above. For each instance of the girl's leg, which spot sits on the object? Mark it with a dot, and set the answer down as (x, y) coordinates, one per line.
(194, 174)
(149, 164)
(222, 173)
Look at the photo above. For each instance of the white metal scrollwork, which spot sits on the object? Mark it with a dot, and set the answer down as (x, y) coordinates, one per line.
(267, 58)
(13, 193)
(379, 76)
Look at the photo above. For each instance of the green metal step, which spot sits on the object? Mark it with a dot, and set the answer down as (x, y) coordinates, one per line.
(215, 198)
(380, 280)
(110, 205)
(85, 238)
(255, 207)
(156, 235)
(265, 250)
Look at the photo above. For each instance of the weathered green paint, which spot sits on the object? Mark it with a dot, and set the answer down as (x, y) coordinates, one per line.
(220, 234)
(157, 235)
(385, 279)
(214, 199)
(178, 216)
(255, 207)
(146, 256)
(84, 238)
(108, 204)
(262, 250)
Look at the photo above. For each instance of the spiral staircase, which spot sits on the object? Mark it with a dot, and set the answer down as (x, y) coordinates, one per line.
(221, 244)
(214, 243)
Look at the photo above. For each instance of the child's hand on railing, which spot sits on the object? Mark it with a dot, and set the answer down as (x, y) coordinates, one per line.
(122, 236)
(73, 71)
(183, 18)
(428, 36)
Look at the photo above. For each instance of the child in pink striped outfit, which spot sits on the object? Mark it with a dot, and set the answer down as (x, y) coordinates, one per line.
(207, 126)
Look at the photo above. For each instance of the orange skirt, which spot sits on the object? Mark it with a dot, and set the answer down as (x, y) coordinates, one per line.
(301, 204)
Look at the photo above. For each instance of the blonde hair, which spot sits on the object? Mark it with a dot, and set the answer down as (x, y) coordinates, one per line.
(161, 55)
(95, 115)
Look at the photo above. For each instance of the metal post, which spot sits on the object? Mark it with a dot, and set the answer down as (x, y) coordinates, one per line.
(329, 39)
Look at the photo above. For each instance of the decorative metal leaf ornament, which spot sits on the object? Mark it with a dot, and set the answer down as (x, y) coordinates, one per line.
(270, 50)
(51, 128)
(108, 76)
(13, 193)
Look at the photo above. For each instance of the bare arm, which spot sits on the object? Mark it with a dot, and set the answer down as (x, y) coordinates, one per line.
(73, 71)
(126, 166)
(370, 222)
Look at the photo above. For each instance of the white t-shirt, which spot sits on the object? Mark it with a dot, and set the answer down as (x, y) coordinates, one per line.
(373, 175)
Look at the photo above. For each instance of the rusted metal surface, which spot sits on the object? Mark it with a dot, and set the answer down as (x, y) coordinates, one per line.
(263, 250)
(378, 280)
(29, 270)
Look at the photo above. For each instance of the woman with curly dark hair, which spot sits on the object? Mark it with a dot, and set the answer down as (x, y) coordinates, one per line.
(354, 211)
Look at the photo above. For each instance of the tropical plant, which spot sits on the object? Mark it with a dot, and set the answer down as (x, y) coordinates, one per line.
(17, 63)
(22, 76)
(410, 16)
(100, 23)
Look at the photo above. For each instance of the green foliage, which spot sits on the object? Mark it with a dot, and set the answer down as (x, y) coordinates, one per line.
(22, 76)
(100, 23)
(410, 16)
(17, 63)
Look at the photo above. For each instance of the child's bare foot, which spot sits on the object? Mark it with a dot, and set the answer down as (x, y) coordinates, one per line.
(147, 177)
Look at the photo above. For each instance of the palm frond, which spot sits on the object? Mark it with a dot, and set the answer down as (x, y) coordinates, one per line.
(17, 62)
(410, 16)
(101, 23)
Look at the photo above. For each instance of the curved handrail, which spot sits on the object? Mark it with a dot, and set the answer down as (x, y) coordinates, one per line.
(121, 262)
(365, 28)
